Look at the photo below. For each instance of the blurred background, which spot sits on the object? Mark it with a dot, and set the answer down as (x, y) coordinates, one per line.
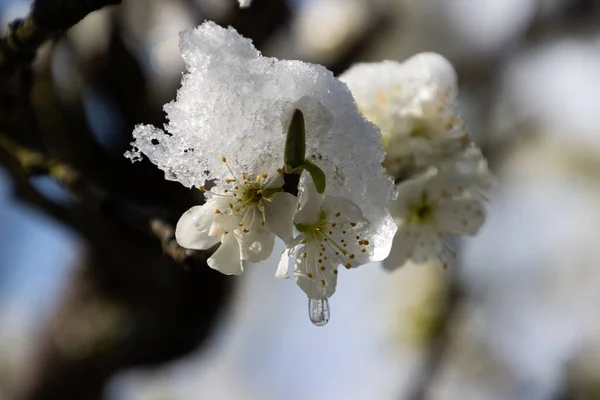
(92, 308)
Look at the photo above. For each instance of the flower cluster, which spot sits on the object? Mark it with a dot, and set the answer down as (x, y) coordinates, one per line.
(229, 130)
(286, 152)
(442, 176)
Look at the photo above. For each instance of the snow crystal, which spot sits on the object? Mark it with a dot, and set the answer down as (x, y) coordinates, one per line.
(235, 103)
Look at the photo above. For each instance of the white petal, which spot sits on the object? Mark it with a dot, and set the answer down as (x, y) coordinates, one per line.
(315, 283)
(256, 246)
(347, 209)
(460, 216)
(284, 265)
(275, 181)
(402, 248)
(227, 257)
(224, 222)
(256, 242)
(310, 206)
(279, 215)
(192, 231)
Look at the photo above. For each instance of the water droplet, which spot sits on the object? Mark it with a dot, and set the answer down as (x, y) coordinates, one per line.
(318, 311)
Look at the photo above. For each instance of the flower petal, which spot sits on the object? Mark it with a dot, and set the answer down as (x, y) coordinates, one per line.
(284, 265)
(256, 242)
(226, 259)
(275, 181)
(346, 208)
(403, 248)
(279, 216)
(315, 282)
(192, 231)
(460, 216)
(310, 206)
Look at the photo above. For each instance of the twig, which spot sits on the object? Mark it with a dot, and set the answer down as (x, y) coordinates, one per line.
(21, 163)
(440, 340)
(47, 19)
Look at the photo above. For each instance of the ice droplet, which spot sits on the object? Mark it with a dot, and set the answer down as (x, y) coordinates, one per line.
(318, 311)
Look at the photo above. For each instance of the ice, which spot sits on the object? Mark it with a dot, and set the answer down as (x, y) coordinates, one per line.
(233, 103)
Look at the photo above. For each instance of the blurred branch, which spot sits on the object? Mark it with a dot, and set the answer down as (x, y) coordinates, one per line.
(26, 190)
(440, 340)
(21, 163)
(47, 19)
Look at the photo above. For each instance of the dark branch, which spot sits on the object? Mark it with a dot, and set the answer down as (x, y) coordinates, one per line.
(47, 19)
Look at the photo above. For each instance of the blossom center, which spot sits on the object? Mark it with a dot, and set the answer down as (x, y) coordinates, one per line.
(334, 237)
(421, 212)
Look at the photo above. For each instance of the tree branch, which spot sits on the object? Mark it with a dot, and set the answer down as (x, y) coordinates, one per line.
(47, 19)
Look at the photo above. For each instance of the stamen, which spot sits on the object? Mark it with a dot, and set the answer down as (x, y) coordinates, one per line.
(309, 275)
(201, 188)
(323, 282)
(223, 159)
(217, 211)
(338, 214)
(353, 224)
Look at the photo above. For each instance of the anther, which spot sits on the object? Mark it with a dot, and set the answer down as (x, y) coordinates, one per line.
(309, 275)
(217, 211)
(223, 159)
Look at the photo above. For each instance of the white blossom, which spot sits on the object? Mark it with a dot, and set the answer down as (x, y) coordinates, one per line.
(332, 233)
(235, 103)
(430, 207)
(245, 3)
(413, 103)
(244, 217)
